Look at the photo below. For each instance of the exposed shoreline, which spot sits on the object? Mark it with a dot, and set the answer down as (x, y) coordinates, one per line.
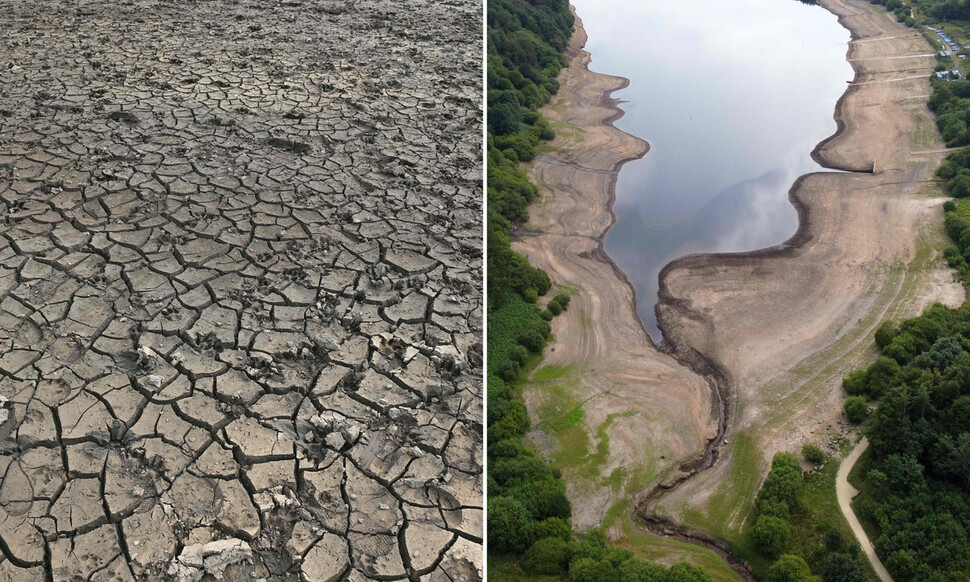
(689, 329)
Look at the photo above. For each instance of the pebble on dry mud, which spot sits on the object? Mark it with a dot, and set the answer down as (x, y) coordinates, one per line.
(240, 290)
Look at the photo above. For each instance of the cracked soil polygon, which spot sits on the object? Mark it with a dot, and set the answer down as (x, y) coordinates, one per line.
(240, 290)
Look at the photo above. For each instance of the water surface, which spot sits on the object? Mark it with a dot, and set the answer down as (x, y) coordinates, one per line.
(733, 97)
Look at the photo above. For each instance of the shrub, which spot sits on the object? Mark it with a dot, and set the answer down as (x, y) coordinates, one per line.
(771, 535)
(509, 370)
(637, 570)
(531, 295)
(789, 568)
(554, 307)
(590, 570)
(684, 572)
(548, 556)
(855, 409)
(857, 382)
(510, 527)
(813, 454)
(949, 206)
(844, 568)
(554, 527)
(533, 340)
(563, 299)
(520, 354)
(887, 331)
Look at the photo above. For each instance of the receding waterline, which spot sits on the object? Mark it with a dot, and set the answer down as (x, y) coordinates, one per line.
(732, 97)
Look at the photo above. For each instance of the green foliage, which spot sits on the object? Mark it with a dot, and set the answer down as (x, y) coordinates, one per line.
(813, 454)
(855, 409)
(885, 334)
(770, 535)
(790, 568)
(918, 480)
(554, 527)
(844, 568)
(510, 527)
(546, 556)
(857, 382)
(641, 571)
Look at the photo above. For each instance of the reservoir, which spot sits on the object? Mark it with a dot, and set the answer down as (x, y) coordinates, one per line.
(732, 97)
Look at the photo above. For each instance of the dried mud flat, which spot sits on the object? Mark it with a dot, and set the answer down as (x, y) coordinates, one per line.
(240, 290)
(778, 328)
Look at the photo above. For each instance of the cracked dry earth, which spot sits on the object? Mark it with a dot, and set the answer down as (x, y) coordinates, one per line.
(240, 290)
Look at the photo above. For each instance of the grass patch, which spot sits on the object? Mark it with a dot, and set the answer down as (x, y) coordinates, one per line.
(551, 373)
(924, 134)
(506, 569)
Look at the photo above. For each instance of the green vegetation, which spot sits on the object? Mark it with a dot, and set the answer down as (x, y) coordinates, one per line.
(799, 533)
(529, 532)
(917, 476)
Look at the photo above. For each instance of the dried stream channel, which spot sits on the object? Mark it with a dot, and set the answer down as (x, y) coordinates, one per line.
(732, 98)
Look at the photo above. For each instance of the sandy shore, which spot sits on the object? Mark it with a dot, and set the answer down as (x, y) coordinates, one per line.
(781, 326)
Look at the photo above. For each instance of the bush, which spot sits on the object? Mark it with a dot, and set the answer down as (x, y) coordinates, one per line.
(533, 340)
(554, 527)
(520, 354)
(855, 409)
(886, 332)
(562, 299)
(949, 206)
(789, 568)
(771, 535)
(554, 307)
(684, 572)
(590, 570)
(510, 527)
(548, 556)
(844, 568)
(813, 454)
(857, 382)
(637, 570)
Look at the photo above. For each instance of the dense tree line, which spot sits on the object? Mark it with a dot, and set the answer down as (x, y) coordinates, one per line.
(951, 103)
(528, 511)
(783, 512)
(902, 11)
(918, 478)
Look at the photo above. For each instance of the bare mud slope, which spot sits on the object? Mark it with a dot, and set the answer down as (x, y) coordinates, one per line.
(778, 328)
(784, 326)
(658, 407)
(240, 290)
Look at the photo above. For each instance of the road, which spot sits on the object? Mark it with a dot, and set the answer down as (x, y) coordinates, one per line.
(846, 493)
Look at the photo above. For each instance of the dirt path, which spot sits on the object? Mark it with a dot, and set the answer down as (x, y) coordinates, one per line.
(780, 327)
(846, 493)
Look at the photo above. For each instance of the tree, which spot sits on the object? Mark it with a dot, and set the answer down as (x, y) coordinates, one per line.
(502, 120)
(856, 409)
(857, 382)
(770, 535)
(789, 568)
(684, 572)
(955, 457)
(548, 556)
(510, 527)
(844, 568)
(885, 334)
(554, 527)
(591, 570)
(637, 570)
